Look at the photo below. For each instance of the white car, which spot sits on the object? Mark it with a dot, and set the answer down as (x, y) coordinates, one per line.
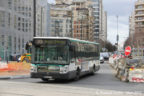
(105, 55)
(101, 59)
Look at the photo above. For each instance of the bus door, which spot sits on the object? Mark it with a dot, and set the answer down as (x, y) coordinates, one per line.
(72, 56)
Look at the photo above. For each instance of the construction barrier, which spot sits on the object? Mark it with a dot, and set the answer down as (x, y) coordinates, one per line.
(131, 70)
(14, 66)
(136, 75)
(3, 66)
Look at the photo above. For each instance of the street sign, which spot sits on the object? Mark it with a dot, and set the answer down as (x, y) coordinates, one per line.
(127, 50)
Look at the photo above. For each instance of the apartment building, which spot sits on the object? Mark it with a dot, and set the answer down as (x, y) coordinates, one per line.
(61, 20)
(136, 25)
(139, 23)
(98, 18)
(89, 21)
(83, 20)
(63, 1)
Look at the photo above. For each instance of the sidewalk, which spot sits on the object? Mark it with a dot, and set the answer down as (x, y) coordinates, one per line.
(14, 70)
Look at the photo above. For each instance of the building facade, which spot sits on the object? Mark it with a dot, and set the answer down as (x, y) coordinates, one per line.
(42, 18)
(97, 5)
(64, 1)
(132, 25)
(103, 35)
(83, 20)
(139, 23)
(136, 25)
(61, 20)
(89, 21)
(16, 26)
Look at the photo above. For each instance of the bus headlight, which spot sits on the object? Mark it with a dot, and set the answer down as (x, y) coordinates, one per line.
(64, 69)
(33, 68)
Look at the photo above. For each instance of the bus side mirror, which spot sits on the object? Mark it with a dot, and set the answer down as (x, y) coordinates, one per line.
(72, 48)
(28, 45)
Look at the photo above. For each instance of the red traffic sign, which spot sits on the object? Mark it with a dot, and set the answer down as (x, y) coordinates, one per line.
(127, 50)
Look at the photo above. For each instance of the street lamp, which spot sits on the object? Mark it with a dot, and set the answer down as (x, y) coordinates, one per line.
(34, 19)
(117, 34)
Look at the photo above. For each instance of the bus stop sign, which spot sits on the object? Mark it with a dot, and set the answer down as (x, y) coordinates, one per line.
(127, 50)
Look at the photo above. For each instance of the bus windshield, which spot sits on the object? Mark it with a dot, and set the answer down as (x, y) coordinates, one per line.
(51, 54)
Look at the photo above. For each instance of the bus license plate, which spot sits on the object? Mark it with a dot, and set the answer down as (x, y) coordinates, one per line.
(48, 77)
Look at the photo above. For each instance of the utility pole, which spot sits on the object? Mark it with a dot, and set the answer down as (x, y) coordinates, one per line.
(34, 20)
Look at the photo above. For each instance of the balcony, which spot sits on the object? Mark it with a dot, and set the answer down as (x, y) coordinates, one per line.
(139, 9)
(139, 26)
(139, 15)
(142, 20)
(139, 3)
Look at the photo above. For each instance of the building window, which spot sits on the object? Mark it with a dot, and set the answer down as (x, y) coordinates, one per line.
(10, 4)
(3, 40)
(15, 45)
(140, 6)
(2, 18)
(9, 19)
(140, 12)
(19, 43)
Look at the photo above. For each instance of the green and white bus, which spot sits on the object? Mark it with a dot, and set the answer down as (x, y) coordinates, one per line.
(63, 58)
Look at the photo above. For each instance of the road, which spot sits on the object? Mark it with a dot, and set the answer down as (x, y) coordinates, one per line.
(102, 80)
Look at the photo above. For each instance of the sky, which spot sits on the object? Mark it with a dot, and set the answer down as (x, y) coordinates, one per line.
(122, 9)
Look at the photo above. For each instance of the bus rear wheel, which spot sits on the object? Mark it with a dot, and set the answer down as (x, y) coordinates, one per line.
(77, 75)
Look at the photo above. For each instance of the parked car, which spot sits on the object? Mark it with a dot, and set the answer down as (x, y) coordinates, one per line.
(105, 55)
(101, 59)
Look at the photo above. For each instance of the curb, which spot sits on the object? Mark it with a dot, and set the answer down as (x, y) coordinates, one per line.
(14, 77)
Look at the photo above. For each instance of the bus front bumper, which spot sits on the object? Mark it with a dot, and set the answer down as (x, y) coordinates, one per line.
(46, 75)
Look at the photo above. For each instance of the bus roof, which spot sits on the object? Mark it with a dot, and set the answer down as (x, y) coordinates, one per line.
(67, 38)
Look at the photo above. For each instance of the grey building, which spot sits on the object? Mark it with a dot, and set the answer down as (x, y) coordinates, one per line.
(103, 35)
(48, 20)
(42, 18)
(100, 15)
(16, 26)
(97, 15)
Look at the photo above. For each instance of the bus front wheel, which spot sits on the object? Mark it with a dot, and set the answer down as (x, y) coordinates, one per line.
(93, 70)
(44, 79)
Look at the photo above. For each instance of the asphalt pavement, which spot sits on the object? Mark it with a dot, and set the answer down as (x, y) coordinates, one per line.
(103, 79)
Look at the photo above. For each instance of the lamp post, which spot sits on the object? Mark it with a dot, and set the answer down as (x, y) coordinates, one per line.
(34, 19)
(117, 34)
